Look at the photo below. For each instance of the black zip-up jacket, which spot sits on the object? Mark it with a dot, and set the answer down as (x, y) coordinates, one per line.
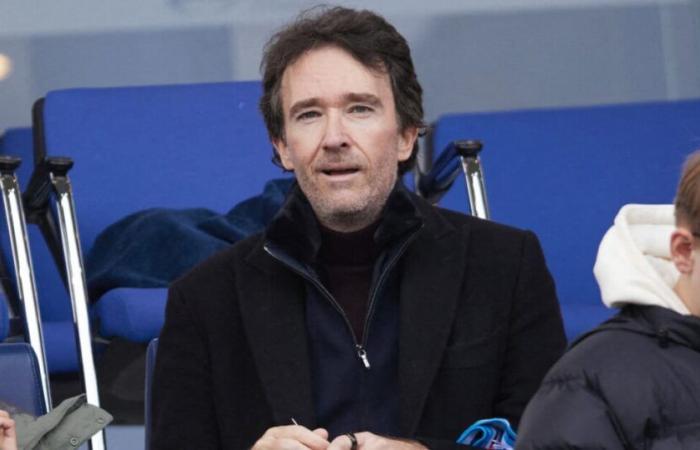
(632, 383)
(467, 306)
(353, 377)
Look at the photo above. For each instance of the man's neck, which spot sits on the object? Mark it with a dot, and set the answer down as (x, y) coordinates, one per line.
(684, 291)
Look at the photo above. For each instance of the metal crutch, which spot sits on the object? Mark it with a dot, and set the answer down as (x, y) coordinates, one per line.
(51, 175)
(24, 271)
(437, 181)
(473, 176)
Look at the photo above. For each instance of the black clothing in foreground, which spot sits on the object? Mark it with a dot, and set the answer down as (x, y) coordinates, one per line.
(632, 383)
(478, 327)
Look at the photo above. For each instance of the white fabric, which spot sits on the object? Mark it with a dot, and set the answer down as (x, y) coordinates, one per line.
(633, 263)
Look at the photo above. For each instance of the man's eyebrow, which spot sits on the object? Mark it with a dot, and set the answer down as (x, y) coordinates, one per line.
(303, 104)
(363, 98)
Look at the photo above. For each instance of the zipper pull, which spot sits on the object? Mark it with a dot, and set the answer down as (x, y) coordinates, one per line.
(362, 353)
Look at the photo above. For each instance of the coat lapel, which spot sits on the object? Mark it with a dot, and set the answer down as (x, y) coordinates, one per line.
(432, 274)
(273, 314)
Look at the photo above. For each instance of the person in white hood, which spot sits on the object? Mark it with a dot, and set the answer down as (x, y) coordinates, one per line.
(634, 381)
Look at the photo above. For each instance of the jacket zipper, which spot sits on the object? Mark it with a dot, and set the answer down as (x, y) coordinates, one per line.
(361, 352)
(360, 347)
(373, 297)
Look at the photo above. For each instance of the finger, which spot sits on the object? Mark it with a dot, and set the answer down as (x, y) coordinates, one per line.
(341, 442)
(4, 413)
(321, 432)
(301, 434)
(271, 443)
(8, 426)
(284, 430)
(365, 437)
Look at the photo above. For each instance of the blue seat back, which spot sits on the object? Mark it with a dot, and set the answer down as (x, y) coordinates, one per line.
(177, 146)
(15, 142)
(18, 142)
(4, 317)
(20, 384)
(56, 313)
(565, 173)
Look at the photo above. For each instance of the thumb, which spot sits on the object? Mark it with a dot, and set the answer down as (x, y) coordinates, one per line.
(321, 432)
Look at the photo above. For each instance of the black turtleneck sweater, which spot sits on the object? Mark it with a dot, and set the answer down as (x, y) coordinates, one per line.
(346, 265)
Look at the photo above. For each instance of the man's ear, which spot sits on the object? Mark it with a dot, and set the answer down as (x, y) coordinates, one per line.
(406, 140)
(283, 152)
(682, 250)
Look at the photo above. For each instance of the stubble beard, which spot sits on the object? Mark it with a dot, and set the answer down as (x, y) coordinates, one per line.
(352, 214)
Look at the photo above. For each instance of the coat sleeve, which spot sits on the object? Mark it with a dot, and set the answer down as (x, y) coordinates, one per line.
(535, 333)
(567, 414)
(183, 408)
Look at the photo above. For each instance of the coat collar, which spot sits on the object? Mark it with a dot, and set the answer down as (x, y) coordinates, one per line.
(295, 229)
(431, 268)
(663, 324)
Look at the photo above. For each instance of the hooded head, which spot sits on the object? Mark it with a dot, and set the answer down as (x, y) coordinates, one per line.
(651, 255)
(685, 239)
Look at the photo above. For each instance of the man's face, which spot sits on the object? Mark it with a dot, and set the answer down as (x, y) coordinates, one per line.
(342, 138)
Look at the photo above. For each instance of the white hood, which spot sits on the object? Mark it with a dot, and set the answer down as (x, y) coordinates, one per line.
(633, 263)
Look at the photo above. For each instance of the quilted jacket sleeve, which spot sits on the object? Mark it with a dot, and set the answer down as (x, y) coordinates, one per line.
(570, 413)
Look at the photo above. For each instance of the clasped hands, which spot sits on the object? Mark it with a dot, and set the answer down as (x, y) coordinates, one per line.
(297, 437)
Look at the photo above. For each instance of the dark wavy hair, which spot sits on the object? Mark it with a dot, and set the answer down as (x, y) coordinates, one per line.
(368, 37)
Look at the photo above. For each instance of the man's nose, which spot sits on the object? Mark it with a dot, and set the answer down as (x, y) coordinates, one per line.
(335, 135)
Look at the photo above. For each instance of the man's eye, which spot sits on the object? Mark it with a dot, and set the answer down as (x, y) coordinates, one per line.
(306, 115)
(360, 109)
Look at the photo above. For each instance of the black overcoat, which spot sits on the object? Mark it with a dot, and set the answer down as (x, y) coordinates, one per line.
(479, 328)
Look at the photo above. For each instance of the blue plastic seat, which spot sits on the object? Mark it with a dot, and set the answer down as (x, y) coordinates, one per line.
(20, 384)
(58, 330)
(13, 141)
(565, 173)
(134, 148)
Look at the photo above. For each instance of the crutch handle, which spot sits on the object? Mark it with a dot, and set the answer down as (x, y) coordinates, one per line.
(468, 148)
(36, 196)
(9, 164)
(434, 184)
(58, 165)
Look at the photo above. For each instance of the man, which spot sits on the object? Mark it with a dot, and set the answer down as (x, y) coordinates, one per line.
(362, 317)
(633, 382)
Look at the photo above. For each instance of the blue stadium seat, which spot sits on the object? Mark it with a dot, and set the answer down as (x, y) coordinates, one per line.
(18, 142)
(12, 142)
(178, 146)
(4, 318)
(564, 173)
(58, 329)
(20, 383)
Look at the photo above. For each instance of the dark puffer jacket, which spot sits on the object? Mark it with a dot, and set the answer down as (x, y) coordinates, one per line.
(632, 383)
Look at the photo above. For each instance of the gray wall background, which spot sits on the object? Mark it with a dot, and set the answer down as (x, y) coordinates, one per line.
(471, 55)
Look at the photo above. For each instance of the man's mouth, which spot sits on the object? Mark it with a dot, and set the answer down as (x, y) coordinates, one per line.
(340, 171)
